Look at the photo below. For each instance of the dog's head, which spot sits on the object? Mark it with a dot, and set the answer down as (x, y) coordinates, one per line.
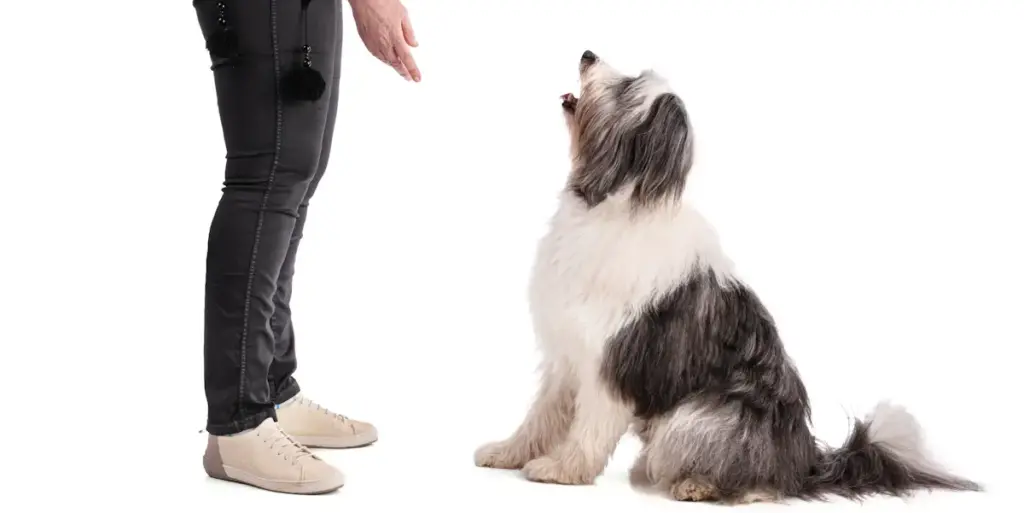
(626, 131)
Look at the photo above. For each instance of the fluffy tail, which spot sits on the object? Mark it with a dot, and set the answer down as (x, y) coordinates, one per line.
(884, 454)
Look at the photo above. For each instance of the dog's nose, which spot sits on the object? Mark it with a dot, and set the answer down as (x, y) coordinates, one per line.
(588, 57)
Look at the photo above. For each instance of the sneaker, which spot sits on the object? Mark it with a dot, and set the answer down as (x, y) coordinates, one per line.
(266, 457)
(313, 425)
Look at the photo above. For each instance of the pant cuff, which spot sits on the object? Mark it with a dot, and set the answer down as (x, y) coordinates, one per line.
(289, 391)
(244, 424)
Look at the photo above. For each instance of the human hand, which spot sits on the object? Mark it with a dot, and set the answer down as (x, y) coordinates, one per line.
(385, 29)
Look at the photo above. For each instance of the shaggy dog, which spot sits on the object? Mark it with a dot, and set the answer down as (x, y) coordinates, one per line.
(642, 322)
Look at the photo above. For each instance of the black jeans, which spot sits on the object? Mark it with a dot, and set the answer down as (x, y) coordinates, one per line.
(277, 151)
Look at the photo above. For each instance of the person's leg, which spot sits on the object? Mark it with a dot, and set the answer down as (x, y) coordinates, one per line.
(273, 149)
(308, 422)
(282, 383)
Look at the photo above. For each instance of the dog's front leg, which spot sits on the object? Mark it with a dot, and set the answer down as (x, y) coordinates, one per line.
(599, 424)
(543, 429)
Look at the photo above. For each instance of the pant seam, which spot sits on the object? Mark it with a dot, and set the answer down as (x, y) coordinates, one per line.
(263, 204)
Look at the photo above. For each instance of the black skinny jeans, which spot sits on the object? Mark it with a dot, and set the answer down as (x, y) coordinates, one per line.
(277, 151)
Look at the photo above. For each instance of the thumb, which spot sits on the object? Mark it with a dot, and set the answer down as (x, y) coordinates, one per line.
(410, 36)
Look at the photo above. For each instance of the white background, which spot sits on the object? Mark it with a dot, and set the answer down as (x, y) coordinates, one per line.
(861, 160)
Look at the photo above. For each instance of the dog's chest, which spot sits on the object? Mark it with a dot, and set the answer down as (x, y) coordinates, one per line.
(595, 270)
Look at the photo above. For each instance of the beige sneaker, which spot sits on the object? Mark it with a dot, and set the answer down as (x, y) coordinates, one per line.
(267, 458)
(315, 426)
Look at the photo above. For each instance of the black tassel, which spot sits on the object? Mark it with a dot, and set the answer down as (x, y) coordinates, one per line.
(303, 82)
(223, 42)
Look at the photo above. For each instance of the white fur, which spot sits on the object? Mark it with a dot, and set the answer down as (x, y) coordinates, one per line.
(894, 428)
(597, 268)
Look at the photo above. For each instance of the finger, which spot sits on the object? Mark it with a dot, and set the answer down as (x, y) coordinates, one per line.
(396, 62)
(410, 36)
(410, 64)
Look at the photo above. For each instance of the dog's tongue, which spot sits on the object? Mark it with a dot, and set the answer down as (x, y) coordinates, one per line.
(568, 97)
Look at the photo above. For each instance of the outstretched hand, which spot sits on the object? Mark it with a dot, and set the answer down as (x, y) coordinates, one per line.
(385, 29)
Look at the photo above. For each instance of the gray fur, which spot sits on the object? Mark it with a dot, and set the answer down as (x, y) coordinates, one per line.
(721, 402)
(706, 371)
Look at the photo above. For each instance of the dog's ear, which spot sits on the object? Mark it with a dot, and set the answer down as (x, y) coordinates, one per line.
(661, 151)
(655, 155)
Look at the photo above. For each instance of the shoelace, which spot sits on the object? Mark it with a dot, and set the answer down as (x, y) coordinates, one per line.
(282, 442)
(309, 402)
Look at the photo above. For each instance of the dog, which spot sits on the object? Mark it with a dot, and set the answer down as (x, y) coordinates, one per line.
(643, 323)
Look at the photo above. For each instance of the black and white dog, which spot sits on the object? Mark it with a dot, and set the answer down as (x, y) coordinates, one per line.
(642, 321)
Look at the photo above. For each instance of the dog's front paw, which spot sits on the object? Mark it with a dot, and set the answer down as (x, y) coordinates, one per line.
(549, 470)
(500, 455)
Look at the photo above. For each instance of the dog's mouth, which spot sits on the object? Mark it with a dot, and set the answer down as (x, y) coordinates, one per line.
(569, 102)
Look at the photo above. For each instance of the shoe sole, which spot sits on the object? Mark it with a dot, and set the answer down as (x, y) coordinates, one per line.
(234, 475)
(326, 442)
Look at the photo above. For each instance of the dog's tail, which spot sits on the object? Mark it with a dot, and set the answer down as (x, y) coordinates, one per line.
(884, 454)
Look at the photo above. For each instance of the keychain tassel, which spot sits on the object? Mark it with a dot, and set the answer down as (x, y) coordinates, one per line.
(223, 42)
(303, 82)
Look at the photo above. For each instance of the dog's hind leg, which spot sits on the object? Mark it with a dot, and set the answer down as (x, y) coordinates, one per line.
(710, 451)
(694, 489)
(544, 427)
